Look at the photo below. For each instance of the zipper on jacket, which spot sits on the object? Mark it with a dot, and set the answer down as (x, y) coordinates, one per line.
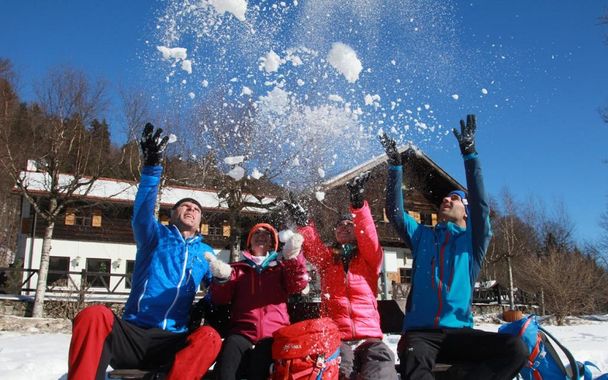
(440, 285)
(350, 308)
(178, 284)
(143, 292)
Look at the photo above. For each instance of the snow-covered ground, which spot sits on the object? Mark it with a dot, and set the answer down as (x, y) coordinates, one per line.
(29, 355)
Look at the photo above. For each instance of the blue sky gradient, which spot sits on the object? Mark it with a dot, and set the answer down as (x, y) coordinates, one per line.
(543, 63)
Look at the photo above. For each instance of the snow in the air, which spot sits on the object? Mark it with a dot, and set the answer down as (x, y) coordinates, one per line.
(256, 174)
(238, 8)
(320, 195)
(344, 59)
(270, 62)
(237, 173)
(234, 160)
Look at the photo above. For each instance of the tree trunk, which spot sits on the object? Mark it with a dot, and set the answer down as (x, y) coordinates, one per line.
(511, 291)
(38, 310)
(235, 248)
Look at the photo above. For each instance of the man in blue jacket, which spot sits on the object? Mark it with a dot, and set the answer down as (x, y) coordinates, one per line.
(169, 267)
(447, 259)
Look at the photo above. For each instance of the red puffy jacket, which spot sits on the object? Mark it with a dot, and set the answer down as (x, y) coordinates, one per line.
(258, 296)
(349, 298)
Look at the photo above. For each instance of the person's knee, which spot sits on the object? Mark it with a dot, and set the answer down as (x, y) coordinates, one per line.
(206, 337)
(92, 314)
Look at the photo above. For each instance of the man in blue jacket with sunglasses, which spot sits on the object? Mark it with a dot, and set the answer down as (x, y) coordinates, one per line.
(447, 258)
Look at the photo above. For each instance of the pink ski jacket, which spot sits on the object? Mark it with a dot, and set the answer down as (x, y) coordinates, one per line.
(349, 297)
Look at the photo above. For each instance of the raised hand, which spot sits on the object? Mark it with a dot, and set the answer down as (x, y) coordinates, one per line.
(152, 145)
(466, 137)
(356, 188)
(390, 147)
(298, 212)
(218, 268)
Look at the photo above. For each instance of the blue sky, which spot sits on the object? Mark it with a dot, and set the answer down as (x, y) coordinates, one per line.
(542, 64)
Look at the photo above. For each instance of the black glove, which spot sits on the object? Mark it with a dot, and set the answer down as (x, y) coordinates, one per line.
(152, 146)
(297, 212)
(466, 137)
(390, 146)
(356, 187)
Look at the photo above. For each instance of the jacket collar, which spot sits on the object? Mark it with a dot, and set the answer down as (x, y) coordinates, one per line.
(197, 237)
(270, 261)
(450, 227)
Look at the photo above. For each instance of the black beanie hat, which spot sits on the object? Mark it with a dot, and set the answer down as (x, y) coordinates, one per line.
(191, 200)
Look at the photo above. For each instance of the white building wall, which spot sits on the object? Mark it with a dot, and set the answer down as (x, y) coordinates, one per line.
(78, 253)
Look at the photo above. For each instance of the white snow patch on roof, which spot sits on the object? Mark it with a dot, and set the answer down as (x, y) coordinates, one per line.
(246, 91)
(344, 59)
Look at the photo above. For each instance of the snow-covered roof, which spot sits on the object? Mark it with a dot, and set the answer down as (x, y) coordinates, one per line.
(345, 176)
(115, 190)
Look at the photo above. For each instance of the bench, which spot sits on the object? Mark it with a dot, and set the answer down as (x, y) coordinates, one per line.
(218, 317)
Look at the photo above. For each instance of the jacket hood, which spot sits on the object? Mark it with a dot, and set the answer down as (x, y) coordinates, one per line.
(267, 227)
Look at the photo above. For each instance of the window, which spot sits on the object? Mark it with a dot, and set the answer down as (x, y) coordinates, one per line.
(86, 217)
(415, 215)
(405, 275)
(96, 268)
(58, 268)
(129, 273)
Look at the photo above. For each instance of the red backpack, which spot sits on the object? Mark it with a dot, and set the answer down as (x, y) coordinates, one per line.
(307, 350)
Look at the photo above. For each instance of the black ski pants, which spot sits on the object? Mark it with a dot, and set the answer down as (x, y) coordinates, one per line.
(473, 354)
(371, 360)
(240, 358)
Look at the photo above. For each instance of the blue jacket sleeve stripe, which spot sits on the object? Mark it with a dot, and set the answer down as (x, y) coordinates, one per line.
(403, 223)
(480, 212)
(145, 225)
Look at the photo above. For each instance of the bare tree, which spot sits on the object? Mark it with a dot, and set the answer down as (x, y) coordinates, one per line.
(512, 238)
(67, 102)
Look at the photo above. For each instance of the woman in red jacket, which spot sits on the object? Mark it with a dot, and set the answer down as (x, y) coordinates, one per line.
(257, 288)
(349, 272)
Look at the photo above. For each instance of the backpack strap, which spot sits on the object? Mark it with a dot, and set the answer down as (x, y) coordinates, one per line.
(573, 363)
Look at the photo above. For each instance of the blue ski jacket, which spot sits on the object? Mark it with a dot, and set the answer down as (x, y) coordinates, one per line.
(168, 268)
(446, 258)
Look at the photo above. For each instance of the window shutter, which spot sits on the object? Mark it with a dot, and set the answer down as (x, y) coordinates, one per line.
(415, 215)
(164, 219)
(226, 230)
(96, 219)
(70, 217)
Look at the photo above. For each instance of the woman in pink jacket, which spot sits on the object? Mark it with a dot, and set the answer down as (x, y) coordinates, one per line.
(349, 272)
(256, 288)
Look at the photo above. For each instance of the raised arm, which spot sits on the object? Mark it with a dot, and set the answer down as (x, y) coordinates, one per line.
(145, 226)
(402, 222)
(479, 224)
(313, 248)
(295, 275)
(367, 237)
(365, 229)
